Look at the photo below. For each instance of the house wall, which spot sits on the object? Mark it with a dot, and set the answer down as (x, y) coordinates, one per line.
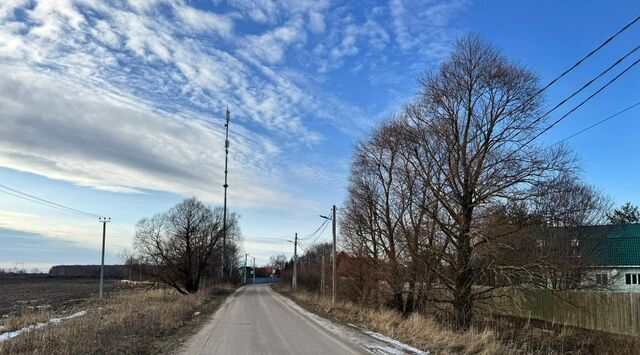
(616, 278)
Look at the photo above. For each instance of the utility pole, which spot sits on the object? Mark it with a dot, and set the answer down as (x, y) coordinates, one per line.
(295, 261)
(104, 222)
(245, 268)
(333, 253)
(322, 277)
(254, 271)
(333, 294)
(224, 213)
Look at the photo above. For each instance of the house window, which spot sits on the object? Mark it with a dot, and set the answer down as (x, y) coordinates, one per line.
(602, 279)
(632, 279)
(575, 242)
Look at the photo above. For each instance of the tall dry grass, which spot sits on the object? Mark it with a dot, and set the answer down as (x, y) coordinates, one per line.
(138, 321)
(416, 330)
(491, 335)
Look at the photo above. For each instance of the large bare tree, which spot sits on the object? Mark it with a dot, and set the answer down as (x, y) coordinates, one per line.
(179, 244)
(476, 117)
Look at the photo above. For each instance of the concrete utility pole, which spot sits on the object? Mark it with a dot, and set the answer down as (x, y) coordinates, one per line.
(254, 271)
(224, 213)
(333, 294)
(245, 268)
(333, 253)
(295, 262)
(322, 277)
(104, 222)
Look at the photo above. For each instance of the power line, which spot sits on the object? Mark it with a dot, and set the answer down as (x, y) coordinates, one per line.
(624, 28)
(321, 232)
(586, 85)
(42, 201)
(121, 228)
(597, 123)
(577, 106)
(314, 232)
(48, 203)
(578, 63)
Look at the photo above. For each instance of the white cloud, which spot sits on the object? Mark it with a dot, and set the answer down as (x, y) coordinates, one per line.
(81, 231)
(107, 141)
(112, 95)
(271, 46)
(202, 20)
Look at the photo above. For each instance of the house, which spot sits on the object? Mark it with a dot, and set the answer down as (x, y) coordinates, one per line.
(610, 254)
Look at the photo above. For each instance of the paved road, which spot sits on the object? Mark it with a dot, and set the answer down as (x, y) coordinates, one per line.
(256, 320)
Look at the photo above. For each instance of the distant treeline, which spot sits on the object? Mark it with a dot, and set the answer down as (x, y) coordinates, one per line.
(93, 271)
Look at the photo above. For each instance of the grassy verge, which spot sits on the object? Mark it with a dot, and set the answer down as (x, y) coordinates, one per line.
(140, 321)
(416, 330)
(488, 336)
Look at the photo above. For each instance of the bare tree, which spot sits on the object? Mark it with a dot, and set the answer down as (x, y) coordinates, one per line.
(475, 117)
(278, 261)
(179, 244)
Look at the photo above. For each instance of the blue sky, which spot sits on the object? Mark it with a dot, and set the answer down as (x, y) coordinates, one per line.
(116, 107)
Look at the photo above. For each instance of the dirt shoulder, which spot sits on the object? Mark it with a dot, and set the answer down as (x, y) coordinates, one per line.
(148, 320)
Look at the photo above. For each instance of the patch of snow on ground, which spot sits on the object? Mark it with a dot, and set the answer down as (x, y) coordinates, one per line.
(392, 341)
(32, 327)
(374, 342)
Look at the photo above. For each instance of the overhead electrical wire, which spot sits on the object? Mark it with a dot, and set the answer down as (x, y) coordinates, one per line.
(320, 234)
(586, 85)
(575, 108)
(578, 63)
(35, 199)
(326, 220)
(597, 123)
(44, 202)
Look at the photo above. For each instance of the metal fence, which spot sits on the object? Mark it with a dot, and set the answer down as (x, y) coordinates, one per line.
(614, 312)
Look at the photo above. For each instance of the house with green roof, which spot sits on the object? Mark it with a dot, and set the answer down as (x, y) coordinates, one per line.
(610, 254)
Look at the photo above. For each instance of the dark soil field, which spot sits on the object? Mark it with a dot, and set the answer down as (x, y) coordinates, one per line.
(19, 293)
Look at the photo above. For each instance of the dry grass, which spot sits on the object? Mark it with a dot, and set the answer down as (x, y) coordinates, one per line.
(416, 330)
(491, 335)
(142, 321)
(15, 322)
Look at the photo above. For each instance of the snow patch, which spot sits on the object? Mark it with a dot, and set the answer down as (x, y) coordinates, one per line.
(373, 342)
(9, 335)
(394, 342)
(196, 314)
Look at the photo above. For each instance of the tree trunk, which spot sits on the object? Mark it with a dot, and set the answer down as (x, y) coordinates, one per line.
(463, 298)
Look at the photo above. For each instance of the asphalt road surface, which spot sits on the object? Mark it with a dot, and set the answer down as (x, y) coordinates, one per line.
(256, 320)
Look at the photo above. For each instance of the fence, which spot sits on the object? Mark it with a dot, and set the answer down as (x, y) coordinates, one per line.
(614, 312)
(263, 280)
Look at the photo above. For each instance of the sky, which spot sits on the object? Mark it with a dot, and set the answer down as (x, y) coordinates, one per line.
(117, 107)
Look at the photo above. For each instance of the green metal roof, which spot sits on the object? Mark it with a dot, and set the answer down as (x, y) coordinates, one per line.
(602, 245)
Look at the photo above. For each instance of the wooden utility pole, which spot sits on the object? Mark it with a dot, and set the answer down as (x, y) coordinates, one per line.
(333, 280)
(104, 222)
(254, 271)
(294, 280)
(224, 213)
